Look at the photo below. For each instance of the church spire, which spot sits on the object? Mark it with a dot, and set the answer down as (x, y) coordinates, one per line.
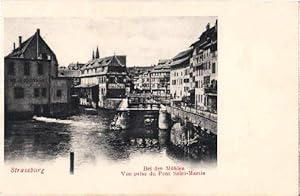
(93, 55)
(97, 53)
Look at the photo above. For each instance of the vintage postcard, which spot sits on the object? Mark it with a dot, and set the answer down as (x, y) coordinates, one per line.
(124, 97)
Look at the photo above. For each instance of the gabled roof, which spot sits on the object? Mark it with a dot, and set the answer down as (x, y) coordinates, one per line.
(103, 62)
(21, 49)
(208, 34)
(163, 66)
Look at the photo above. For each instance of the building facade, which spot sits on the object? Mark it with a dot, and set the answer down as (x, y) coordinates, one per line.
(136, 73)
(71, 74)
(160, 78)
(143, 83)
(205, 69)
(180, 75)
(154, 79)
(103, 81)
(31, 83)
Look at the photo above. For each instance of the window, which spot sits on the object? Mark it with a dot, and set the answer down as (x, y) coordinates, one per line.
(11, 69)
(214, 68)
(186, 80)
(44, 92)
(26, 69)
(36, 92)
(58, 93)
(40, 69)
(19, 92)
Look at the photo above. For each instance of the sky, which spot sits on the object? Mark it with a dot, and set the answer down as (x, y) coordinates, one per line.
(144, 40)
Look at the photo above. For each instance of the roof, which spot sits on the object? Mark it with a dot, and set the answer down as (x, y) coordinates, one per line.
(208, 34)
(180, 61)
(21, 49)
(75, 66)
(102, 62)
(183, 54)
(68, 73)
(161, 68)
(163, 61)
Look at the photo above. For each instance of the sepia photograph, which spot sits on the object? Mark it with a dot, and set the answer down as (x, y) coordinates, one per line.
(149, 97)
(111, 89)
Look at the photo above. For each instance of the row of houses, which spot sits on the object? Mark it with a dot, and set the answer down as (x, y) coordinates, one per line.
(189, 77)
(155, 80)
(34, 84)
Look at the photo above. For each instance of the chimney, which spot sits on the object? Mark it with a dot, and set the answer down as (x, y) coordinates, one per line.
(37, 43)
(20, 40)
(14, 45)
(207, 26)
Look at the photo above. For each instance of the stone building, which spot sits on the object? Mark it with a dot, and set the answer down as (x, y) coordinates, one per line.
(180, 75)
(31, 83)
(204, 66)
(103, 81)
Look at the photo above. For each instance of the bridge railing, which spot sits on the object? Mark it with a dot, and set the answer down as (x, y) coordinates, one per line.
(205, 114)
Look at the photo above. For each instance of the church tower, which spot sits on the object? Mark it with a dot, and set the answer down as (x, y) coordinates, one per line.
(97, 53)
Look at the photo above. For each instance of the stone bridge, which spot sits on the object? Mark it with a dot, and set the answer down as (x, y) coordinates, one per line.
(206, 120)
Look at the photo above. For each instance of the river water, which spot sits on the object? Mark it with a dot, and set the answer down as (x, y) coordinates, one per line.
(88, 136)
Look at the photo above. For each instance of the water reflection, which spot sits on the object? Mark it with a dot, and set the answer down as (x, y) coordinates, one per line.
(36, 140)
(88, 136)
